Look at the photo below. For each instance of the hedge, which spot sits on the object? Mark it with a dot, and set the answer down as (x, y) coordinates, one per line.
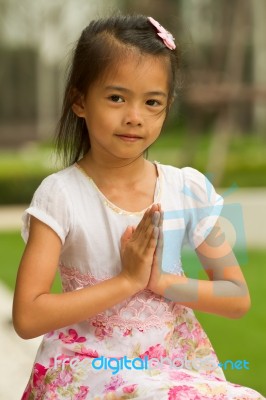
(18, 189)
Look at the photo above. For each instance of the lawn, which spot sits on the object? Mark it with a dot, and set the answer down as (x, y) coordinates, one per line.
(242, 339)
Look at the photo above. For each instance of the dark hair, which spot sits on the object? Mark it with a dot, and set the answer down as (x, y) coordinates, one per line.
(102, 43)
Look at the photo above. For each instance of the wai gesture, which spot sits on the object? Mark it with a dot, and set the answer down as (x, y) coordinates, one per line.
(141, 250)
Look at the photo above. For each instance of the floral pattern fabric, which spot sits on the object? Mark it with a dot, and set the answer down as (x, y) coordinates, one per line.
(114, 355)
(65, 369)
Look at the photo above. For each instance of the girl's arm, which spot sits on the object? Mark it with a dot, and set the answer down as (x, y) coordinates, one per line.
(36, 311)
(225, 293)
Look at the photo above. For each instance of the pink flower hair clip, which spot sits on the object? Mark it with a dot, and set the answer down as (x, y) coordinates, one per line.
(167, 37)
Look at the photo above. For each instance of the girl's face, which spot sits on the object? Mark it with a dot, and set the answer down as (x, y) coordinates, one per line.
(125, 110)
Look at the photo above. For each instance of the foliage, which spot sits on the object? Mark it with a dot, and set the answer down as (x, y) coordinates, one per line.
(22, 172)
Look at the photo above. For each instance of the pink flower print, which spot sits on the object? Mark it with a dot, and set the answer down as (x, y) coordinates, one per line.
(65, 377)
(39, 372)
(185, 392)
(180, 376)
(72, 337)
(114, 383)
(101, 330)
(58, 360)
(179, 353)
(164, 34)
(27, 392)
(52, 386)
(157, 351)
(53, 396)
(83, 391)
(127, 332)
(130, 388)
(197, 333)
(210, 377)
(84, 353)
(183, 331)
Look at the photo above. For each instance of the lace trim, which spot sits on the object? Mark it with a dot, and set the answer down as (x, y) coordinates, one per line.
(116, 209)
(143, 311)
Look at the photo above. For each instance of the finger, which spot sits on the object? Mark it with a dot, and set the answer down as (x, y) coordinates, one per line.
(153, 218)
(147, 231)
(152, 242)
(144, 230)
(159, 247)
(126, 235)
(142, 223)
(161, 219)
(145, 222)
(160, 242)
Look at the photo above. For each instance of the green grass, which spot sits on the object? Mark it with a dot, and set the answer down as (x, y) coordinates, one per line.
(242, 339)
(11, 250)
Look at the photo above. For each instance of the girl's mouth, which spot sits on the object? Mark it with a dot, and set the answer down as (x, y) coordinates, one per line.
(129, 138)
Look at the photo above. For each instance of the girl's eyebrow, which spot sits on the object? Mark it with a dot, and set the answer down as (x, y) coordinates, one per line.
(125, 90)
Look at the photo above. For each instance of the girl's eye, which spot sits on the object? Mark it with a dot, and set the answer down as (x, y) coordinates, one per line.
(116, 99)
(153, 103)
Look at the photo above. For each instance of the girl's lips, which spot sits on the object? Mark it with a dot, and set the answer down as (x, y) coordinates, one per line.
(129, 138)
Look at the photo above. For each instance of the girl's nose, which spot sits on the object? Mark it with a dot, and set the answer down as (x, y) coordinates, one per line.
(133, 117)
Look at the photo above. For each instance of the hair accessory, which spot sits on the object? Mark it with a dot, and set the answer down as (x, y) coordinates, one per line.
(167, 37)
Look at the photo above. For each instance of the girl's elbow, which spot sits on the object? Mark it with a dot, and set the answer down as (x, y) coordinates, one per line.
(242, 307)
(22, 326)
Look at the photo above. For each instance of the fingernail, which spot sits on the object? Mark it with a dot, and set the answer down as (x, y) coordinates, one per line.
(155, 217)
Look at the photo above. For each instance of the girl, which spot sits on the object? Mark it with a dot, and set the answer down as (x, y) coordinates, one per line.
(114, 223)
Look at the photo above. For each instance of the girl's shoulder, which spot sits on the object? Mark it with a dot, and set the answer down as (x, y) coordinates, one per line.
(185, 176)
(57, 181)
(62, 176)
(192, 184)
(51, 204)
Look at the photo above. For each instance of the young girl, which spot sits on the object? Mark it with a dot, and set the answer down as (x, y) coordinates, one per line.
(115, 223)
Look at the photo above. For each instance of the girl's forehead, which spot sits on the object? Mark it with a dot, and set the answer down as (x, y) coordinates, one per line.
(145, 69)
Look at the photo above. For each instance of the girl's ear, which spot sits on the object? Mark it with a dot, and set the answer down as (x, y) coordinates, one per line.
(78, 104)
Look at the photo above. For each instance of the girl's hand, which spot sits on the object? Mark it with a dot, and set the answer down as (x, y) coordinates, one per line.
(156, 277)
(138, 247)
(161, 281)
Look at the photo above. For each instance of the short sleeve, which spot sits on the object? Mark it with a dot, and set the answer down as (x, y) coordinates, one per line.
(50, 205)
(202, 206)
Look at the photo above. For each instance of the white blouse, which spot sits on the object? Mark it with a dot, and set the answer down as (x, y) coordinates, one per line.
(90, 226)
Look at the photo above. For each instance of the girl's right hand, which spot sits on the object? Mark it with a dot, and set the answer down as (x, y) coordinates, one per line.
(138, 246)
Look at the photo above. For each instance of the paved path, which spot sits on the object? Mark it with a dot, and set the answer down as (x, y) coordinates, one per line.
(10, 217)
(17, 355)
(252, 202)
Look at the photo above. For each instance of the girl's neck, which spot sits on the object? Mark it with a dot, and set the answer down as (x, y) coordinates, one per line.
(122, 171)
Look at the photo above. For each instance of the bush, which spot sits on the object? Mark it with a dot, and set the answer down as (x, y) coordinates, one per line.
(21, 172)
(18, 189)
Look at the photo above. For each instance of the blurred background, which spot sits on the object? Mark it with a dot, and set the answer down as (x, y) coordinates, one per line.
(217, 125)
